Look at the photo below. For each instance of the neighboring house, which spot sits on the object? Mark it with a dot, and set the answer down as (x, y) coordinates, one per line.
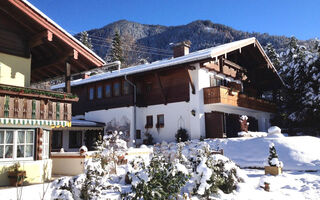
(203, 92)
(33, 49)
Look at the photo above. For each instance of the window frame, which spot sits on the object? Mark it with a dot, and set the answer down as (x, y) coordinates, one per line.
(160, 125)
(97, 91)
(45, 144)
(113, 89)
(91, 88)
(15, 145)
(149, 125)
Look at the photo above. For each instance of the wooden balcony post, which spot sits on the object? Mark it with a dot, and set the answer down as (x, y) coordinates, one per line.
(68, 78)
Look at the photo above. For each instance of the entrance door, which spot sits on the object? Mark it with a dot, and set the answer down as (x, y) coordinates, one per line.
(232, 125)
(214, 125)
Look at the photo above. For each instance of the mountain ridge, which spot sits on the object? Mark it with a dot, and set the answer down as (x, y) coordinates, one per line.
(152, 42)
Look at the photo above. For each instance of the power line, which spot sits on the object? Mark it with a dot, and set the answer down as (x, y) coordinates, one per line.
(107, 40)
(109, 46)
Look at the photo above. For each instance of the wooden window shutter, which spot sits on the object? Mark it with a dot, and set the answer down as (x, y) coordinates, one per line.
(42, 109)
(16, 107)
(38, 146)
(6, 106)
(50, 110)
(58, 110)
(65, 112)
(33, 109)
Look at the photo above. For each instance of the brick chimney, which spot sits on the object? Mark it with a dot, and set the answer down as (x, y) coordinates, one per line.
(181, 48)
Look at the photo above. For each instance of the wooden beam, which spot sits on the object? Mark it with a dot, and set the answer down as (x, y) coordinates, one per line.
(164, 96)
(232, 64)
(190, 81)
(68, 78)
(40, 38)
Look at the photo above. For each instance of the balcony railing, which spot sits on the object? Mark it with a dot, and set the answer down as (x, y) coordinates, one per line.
(36, 106)
(225, 95)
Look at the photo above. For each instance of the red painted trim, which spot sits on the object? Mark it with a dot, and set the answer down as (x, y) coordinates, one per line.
(56, 31)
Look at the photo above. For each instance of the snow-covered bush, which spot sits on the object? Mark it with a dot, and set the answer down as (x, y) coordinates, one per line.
(273, 159)
(160, 180)
(182, 135)
(184, 168)
(111, 151)
(96, 178)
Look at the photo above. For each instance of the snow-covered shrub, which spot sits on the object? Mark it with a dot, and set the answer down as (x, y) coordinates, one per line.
(96, 178)
(274, 130)
(182, 135)
(162, 179)
(185, 168)
(273, 159)
(112, 149)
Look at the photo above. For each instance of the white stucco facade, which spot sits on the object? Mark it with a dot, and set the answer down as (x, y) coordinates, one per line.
(176, 115)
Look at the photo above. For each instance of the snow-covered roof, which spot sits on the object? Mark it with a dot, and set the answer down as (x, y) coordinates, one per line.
(85, 123)
(191, 57)
(61, 29)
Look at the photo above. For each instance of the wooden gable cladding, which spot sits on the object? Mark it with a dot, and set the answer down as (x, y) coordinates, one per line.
(155, 87)
(174, 86)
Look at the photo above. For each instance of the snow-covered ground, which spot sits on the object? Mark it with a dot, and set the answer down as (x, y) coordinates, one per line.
(299, 155)
(296, 153)
(289, 185)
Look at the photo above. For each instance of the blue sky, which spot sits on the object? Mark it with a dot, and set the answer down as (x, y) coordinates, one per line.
(282, 17)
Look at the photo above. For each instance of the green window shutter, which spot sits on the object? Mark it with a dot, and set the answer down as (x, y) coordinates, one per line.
(33, 109)
(6, 106)
(58, 111)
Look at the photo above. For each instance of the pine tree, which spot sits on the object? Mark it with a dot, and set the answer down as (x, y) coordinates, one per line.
(116, 53)
(274, 57)
(85, 39)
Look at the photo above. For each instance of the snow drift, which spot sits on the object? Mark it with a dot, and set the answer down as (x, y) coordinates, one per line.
(296, 153)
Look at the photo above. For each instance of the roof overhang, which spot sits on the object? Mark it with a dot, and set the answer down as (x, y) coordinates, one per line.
(199, 56)
(50, 45)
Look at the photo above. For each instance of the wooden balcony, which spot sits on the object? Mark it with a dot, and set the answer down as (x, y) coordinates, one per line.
(28, 106)
(224, 95)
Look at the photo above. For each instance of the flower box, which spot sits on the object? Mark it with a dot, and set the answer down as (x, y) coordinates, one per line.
(16, 178)
(273, 170)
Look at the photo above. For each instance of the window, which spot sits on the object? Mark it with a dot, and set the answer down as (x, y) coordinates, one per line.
(75, 139)
(99, 92)
(149, 122)
(116, 89)
(91, 93)
(126, 88)
(16, 144)
(45, 144)
(108, 91)
(160, 121)
(6, 144)
(138, 134)
(57, 139)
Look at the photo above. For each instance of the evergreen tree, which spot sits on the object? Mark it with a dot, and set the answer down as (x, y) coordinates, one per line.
(274, 57)
(272, 154)
(84, 38)
(116, 53)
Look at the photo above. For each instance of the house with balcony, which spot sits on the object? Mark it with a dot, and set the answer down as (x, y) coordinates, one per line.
(204, 92)
(33, 48)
